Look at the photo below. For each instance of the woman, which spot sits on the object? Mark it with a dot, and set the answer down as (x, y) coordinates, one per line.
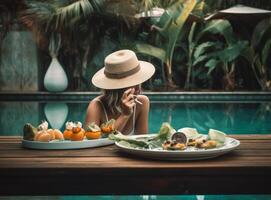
(120, 82)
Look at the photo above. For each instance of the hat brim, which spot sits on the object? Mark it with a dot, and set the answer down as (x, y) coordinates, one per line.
(101, 81)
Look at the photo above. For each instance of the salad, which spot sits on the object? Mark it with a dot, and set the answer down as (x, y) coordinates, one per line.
(170, 139)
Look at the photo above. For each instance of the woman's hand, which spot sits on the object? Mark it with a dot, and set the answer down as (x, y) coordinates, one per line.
(127, 102)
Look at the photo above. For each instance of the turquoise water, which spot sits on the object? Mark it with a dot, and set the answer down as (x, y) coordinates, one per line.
(232, 118)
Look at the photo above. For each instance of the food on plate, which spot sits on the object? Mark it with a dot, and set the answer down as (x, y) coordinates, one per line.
(43, 126)
(78, 133)
(29, 132)
(41, 133)
(108, 127)
(93, 131)
(168, 139)
(43, 136)
(209, 144)
(55, 134)
(68, 131)
(191, 133)
(51, 133)
(178, 141)
(58, 134)
(73, 131)
(173, 145)
(217, 135)
(153, 142)
(179, 137)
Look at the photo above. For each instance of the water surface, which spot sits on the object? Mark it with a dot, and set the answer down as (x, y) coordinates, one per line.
(231, 118)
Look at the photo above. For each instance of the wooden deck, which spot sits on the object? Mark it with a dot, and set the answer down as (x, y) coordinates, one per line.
(105, 170)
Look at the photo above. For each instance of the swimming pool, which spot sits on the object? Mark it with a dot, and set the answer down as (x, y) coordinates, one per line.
(230, 117)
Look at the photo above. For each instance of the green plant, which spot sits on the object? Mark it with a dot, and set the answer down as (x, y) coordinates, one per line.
(258, 53)
(219, 52)
(169, 27)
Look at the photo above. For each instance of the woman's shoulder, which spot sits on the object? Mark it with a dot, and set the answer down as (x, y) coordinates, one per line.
(96, 102)
(143, 98)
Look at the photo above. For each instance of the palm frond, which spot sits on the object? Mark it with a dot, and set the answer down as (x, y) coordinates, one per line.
(76, 10)
(59, 14)
(39, 12)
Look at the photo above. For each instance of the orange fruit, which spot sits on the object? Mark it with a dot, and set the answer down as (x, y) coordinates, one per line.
(76, 129)
(93, 135)
(58, 134)
(77, 136)
(52, 134)
(43, 136)
(67, 134)
(107, 129)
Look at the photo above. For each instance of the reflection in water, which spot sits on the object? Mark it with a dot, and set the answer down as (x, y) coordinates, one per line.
(231, 118)
(56, 114)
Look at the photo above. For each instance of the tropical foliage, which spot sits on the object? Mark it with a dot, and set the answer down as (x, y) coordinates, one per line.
(169, 27)
(258, 54)
(189, 52)
(219, 53)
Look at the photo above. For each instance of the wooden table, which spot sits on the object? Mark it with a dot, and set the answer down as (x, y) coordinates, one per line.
(105, 170)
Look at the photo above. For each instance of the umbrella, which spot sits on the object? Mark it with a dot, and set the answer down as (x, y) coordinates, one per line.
(154, 12)
(158, 12)
(238, 12)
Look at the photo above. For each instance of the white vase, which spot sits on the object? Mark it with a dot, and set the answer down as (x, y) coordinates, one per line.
(56, 114)
(55, 79)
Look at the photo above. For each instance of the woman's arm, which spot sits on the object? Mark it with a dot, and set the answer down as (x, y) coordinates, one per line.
(141, 123)
(93, 113)
(127, 105)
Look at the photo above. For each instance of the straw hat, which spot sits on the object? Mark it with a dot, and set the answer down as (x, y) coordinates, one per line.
(122, 69)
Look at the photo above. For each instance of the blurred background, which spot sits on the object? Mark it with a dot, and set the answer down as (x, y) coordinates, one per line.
(195, 45)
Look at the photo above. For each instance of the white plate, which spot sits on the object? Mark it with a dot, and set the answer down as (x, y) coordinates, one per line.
(66, 144)
(187, 154)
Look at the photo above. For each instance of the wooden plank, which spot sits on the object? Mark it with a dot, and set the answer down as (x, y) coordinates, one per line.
(104, 152)
(253, 152)
(10, 137)
(251, 136)
(30, 153)
(15, 150)
(126, 162)
(255, 145)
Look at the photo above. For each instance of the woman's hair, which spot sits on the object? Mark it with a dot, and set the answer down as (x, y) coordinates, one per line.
(111, 100)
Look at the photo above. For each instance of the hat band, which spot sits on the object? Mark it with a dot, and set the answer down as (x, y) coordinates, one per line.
(123, 74)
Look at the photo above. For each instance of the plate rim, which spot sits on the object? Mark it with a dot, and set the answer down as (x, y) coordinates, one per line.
(66, 144)
(64, 141)
(179, 152)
